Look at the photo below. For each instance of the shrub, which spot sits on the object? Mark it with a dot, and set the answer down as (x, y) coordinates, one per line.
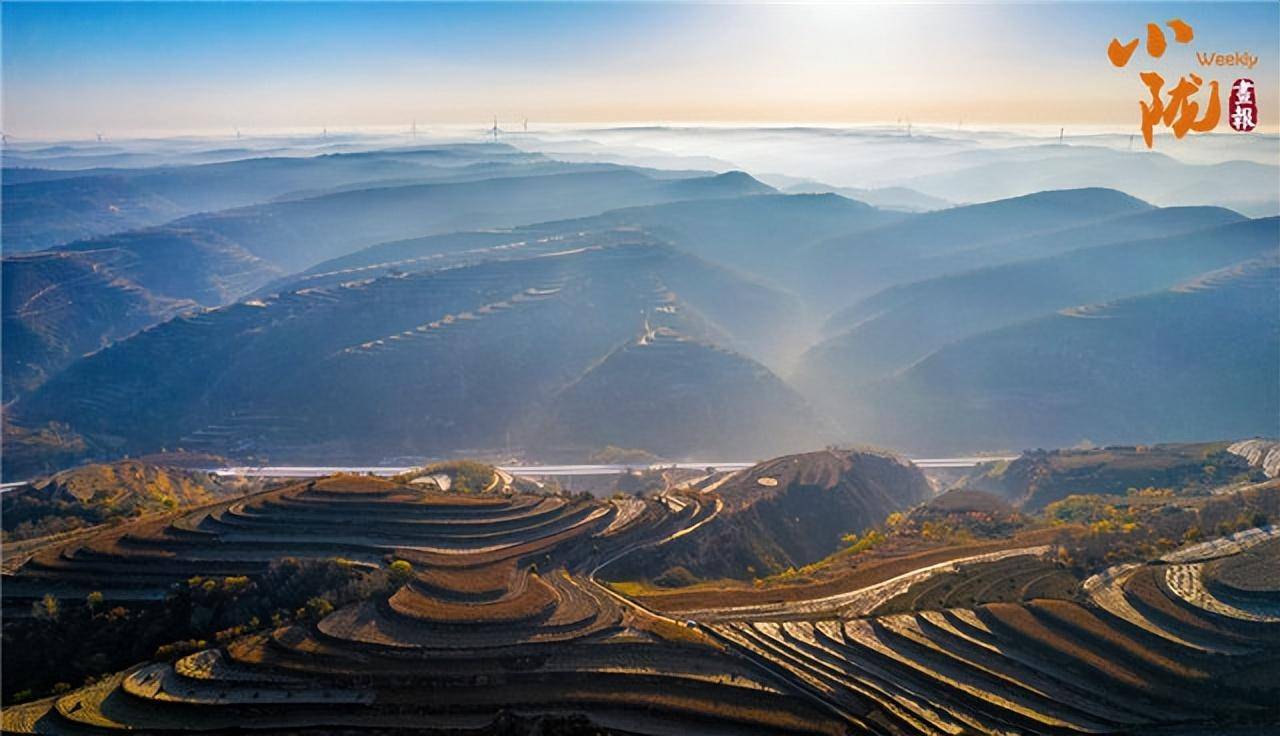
(47, 608)
(676, 577)
(179, 649)
(401, 572)
(316, 608)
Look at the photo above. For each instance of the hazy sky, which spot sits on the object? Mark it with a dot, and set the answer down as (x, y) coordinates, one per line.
(72, 69)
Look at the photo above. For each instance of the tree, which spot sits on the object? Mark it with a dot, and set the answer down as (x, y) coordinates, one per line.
(401, 572)
(46, 608)
(94, 600)
(316, 608)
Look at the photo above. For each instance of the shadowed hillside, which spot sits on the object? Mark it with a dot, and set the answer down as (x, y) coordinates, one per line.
(1141, 225)
(760, 236)
(416, 364)
(59, 306)
(899, 326)
(1194, 362)
(1039, 477)
(763, 235)
(217, 257)
(300, 233)
(842, 269)
(786, 512)
(678, 398)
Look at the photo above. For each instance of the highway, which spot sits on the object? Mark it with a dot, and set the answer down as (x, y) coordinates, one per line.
(546, 471)
(800, 686)
(534, 471)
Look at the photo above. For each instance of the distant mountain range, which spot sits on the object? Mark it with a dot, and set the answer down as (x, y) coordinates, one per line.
(901, 325)
(296, 234)
(212, 259)
(990, 174)
(47, 207)
(454, 298)
(842, 269)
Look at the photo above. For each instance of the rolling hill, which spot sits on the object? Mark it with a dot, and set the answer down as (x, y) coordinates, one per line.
(1038, 478)
(786, 512)
(297, 234)
(59, 306)
(214, 258)
(987, 174)
(759, 235)
(1190, 363)
(417, 364)
(840, 270)
(94, 494)
(1142, 225)
(680, 398)
(899, 326)
(762, 235)
(48, 207)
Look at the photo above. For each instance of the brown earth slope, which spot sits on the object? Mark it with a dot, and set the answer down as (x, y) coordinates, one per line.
(786, 512)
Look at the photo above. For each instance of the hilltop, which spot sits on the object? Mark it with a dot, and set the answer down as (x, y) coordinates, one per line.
(1038, 478)
(842, 269)
(107, 492)
(783, 513)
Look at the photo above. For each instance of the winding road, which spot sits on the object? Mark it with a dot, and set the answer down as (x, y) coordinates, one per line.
(803, 688)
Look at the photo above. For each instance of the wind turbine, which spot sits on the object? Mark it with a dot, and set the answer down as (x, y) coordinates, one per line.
(99, 137)
(413, 128)
(494, 130)
(526, 125)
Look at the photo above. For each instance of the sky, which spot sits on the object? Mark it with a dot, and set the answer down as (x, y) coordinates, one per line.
(70, 70)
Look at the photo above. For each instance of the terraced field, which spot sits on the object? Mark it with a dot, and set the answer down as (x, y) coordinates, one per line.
(1012, 579)
(497, 621)
(1047, 666)
(498, 625)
